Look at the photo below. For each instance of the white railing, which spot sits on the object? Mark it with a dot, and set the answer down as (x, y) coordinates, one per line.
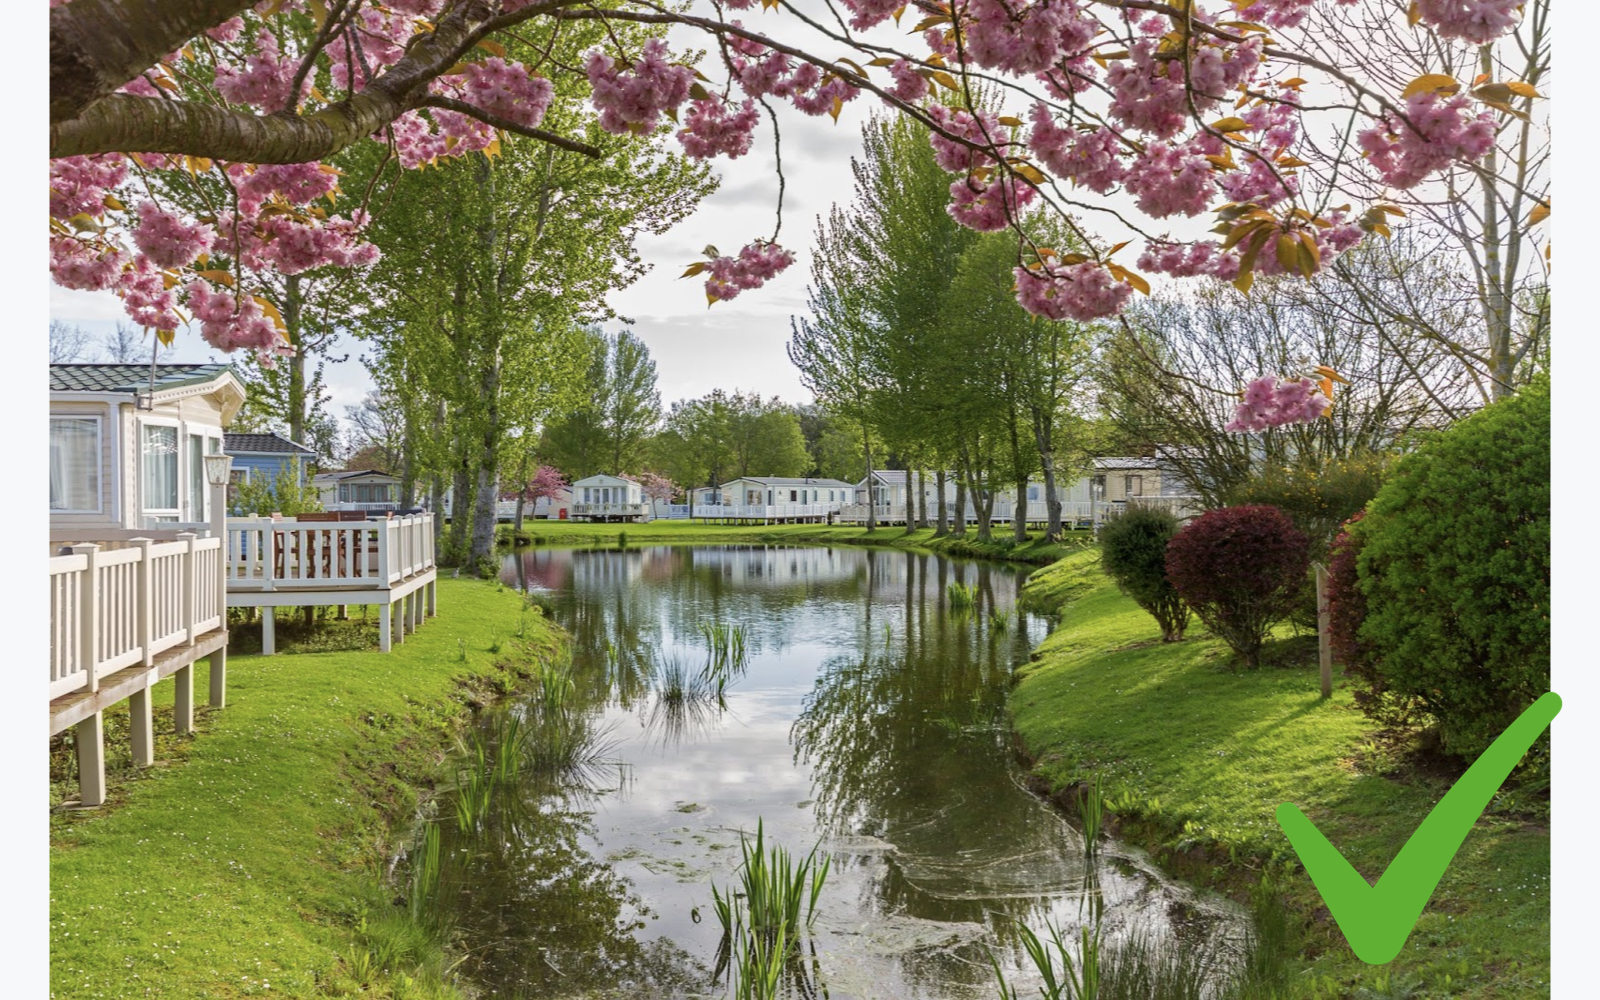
(610, 509)
(114, 609)
(1182, 506)
(281, 555)
(758, 511)
(379, 506)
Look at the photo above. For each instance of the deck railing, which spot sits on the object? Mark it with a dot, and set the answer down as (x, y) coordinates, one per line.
(1182, 506)
(264, 554)
(755, 511)
(114, 609)
(610, 509)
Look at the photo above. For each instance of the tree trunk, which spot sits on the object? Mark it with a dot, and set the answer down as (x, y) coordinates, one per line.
(958, 527)
(922, 500)
(872, 505)
(408, 462)
(942, 524)
(1019, 516)
(296, 404)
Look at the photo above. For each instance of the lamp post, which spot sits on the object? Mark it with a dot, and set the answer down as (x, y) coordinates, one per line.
(218, 468)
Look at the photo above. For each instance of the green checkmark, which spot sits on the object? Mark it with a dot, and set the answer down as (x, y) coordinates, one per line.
(1377, 919)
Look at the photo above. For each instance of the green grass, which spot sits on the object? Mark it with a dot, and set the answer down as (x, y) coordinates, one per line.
(575, 533)
(251, 860)
(1194, 759)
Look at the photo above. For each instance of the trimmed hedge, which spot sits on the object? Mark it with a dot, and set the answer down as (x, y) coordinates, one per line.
(1455, 568)
(1242, 570)
(1133, 552)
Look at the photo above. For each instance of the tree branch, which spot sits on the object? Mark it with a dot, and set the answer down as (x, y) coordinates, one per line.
(463, 108)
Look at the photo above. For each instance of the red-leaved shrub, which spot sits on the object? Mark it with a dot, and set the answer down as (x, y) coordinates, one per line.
(1346, 604)
(1241, 570)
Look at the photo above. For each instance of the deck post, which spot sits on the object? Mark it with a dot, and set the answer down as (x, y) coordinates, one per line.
(343, 613)
(269, 618)
(89, 615)
(191, 589)
(91, 760)
(183, 698)
(219, 677)
(385, 627)
(433, 598)
(144, 601)
(141, 728)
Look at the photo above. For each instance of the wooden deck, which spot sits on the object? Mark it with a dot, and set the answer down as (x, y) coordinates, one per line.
(298, 563)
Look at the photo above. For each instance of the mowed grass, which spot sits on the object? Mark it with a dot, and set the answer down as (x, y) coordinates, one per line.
(1196, 759)
(674, 532)
(250, 861)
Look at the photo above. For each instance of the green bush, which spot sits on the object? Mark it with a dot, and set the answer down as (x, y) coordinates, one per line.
(1455, 567)
(1133, 552)
(1318, 498)
(282, 494)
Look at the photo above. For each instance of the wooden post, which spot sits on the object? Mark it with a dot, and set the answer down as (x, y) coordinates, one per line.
(1324, 639)
(141, 728)
(191, 586)
(183, 698)
(433, 598)
(269, 618)
(219, 678)
(91, 736)
(89, 615)
(385, 627)
(144, 600)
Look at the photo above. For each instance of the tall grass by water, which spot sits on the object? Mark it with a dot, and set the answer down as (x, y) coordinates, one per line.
(762, 920)
(960, 595)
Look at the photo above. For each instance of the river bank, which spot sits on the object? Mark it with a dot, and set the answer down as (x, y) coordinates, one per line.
(250, 860)
(1195, 759)
(1036, 551)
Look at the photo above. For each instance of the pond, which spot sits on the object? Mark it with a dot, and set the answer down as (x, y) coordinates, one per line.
(864, 714)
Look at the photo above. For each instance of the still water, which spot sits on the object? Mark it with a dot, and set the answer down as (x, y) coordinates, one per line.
(870, 720)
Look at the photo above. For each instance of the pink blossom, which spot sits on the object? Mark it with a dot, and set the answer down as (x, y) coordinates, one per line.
(1269, 402)
(1020, 38)
(1475, 21)
(297, 183)
(633, 100)
(229, 321)
(1278, 13)
(984, 130)
(146, 297)
(1440, 131)
(833, 91)
(227, 31)
(266, 78)
(382, 34)
(92, 267)
(79, 184)
(1181, 260)
(1083, 292)
(167, 240)
(508, 90)
(1090, 159)
(988, 207)
(756, 264)
(909, 85)
(709, 130)
(871, 12)
(1170, 180)
(415, 141)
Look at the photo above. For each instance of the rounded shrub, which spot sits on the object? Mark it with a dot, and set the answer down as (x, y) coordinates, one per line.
(1242, 570)
(1133, 552)
(1455, 568)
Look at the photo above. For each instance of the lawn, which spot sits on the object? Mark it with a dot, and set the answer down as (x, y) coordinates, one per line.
(1196, 758)
(1035, 550)
(250, 860)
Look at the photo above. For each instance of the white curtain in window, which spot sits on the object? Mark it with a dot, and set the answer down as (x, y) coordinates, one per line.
(160, 490)
(74, 463)
(197, 477)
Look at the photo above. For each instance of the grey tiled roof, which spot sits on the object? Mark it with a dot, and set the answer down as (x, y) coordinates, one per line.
(129, 378)
(1125, 462)
(262, 444)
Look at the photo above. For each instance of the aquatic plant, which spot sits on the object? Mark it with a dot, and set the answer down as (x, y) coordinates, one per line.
(727, 645)
(961, 595)
(762, 925)
(999, 620)
(426, 865)
(1091, 816)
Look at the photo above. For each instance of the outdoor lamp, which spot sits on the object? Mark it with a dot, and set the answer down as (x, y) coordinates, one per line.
(217, 469)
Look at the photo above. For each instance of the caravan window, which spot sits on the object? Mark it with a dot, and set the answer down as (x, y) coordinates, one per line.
(160, 480)
(75, 464)
(1133, 486)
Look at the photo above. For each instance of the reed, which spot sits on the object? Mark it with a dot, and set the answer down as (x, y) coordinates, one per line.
(960, 595)
(1091, 817)
(764, 920)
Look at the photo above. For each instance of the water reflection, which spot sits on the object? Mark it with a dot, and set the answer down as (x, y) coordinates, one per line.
(869, 716)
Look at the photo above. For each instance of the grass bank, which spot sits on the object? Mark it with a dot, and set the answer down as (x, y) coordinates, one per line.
(1036, 550)
(1196, 759)
(250, 861)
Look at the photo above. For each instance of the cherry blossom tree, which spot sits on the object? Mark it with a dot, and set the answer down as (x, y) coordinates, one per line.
(1130, 115)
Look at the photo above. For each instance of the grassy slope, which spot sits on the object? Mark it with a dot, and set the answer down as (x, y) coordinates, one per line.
(682, 532)
(1202, 758)
(253, 860)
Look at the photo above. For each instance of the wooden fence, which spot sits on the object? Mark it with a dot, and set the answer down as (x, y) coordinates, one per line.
(115, 609)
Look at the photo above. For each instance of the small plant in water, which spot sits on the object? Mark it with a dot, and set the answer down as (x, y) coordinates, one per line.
(1091, 814)
(961, 595)
(999, 620)
(762, 925)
